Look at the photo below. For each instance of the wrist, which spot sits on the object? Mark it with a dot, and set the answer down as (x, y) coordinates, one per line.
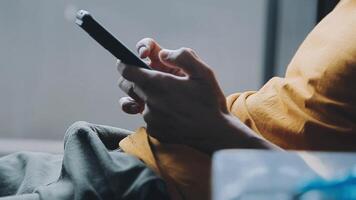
(229, 133)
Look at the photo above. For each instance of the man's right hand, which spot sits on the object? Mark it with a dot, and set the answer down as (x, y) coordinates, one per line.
(184, 102)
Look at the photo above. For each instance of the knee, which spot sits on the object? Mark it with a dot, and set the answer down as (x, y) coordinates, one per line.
(78, 129)
(78, 126)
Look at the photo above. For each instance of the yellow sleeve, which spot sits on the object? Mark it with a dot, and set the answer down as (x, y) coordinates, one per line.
(314, 106)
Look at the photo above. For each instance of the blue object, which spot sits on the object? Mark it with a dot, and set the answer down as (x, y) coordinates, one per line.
(340, 188)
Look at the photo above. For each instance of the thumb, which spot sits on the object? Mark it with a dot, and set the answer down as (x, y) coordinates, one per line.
(183, 58)
(131, 106)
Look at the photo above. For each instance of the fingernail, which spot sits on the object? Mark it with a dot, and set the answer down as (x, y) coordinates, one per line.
(134, 109)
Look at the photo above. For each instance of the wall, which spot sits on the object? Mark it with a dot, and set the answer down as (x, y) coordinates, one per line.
(295, 20)
(52, 73)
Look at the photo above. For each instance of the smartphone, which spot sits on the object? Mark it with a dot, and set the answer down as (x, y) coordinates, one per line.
(106, 40)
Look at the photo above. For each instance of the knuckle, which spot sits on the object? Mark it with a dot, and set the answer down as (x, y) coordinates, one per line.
(126, 73)
(125, 86)
(184, 51)
(147, 42)
(120, 82)
(125, 70)
(161, 83)
(119, 65)
(209, 71)
(190, 50)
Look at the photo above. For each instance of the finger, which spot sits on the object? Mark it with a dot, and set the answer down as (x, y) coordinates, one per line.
(146, 82)
(124, 85)
(128, 88)
(149, 48)
(135, 74)
(184, 58)
(130, 106)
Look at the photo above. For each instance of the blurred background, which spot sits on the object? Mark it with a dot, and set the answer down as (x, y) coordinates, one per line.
(53, 74)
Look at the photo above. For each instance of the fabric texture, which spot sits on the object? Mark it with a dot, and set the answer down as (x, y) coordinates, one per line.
(312, 108)
(185, 170)
(86, 170)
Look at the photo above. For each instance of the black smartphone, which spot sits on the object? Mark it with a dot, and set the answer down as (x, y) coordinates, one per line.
(108, 41)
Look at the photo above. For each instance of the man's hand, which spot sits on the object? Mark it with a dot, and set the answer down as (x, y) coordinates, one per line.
(181, 99)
